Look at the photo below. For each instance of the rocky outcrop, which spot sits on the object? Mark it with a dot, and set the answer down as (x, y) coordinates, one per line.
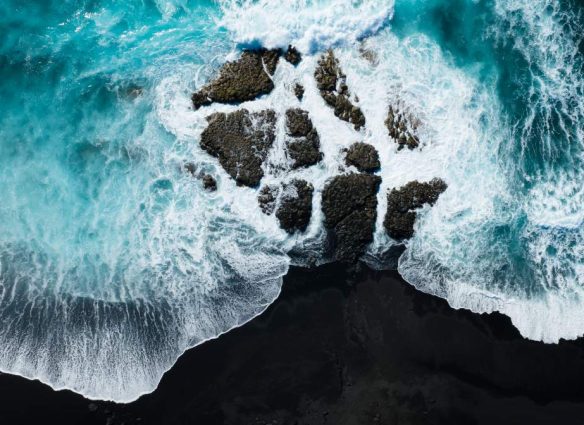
(267, 198)
(364, 157)
(295, 207)
(241, 141)
(304, 145)
(298, 91)
(242, 80)
(333, 88)
(402, 203)
(293, 55)
(292, 203)
(402, 127)
(349, 204)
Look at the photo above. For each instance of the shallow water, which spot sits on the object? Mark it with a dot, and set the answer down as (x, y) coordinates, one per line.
(113, 261)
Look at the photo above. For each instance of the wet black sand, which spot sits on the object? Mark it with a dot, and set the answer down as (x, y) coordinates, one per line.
(343, 347)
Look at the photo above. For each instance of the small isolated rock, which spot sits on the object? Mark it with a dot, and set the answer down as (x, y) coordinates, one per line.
(209, 182)
(364, 157)
(295, 206)
(299, 91)
(241, 141)
(244, 79)
(267, 199)
(293, 55)
(402, 127)
(304, 147)
(349, 204)
(333, 88)
(402, 203)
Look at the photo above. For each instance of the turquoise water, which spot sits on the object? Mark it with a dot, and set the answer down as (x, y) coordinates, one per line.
(113, 261)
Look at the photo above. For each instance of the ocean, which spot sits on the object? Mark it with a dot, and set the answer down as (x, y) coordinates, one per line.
(114, 261)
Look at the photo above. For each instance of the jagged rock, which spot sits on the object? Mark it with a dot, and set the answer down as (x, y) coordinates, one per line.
(241, 141)
(209, 182)
(293, 55)
(333, 88)
(242, 80)
(299, 91)
(402, 203)
(304, 148)
(402, 128)
(349, 204)
(364, 157)
(295, 206)
(267, 199)
(191, 168)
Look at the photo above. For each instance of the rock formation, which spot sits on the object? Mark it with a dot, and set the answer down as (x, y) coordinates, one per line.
(304, 146)
(241, 141)
(333, 88)
(242, 80)
(402, 128)
(402, 203)
(364, 157)
(349, 204)
(293, 55)
(292, 203)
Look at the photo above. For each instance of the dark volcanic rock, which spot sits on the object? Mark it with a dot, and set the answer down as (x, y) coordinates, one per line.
(241, 141)
(293, 202)
(241, 80)
(402, 203)
(293, 55)
(267, 199)
(304, 148)
(333, 88)
(209, 182)
(349, 205)
(299, 91)
(402, 128)
(364, 157)
(295, 206)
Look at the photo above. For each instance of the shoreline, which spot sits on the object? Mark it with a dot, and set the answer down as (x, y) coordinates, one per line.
(343, 346)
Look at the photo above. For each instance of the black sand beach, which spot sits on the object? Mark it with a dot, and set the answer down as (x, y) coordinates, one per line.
(344, 347)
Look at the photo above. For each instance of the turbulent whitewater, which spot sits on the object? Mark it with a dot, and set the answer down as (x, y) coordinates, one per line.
(113, 260)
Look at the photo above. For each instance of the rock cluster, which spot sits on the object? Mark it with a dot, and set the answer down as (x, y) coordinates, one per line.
(304, 146)
(402, 128)
(292, 203)
(209, 182)
(363, 156)
(333, 88)
(241, 141)
(293, 55)
(242, 80)
(402, 203)
(349, 204)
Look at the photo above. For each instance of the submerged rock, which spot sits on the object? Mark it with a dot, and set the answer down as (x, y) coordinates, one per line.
(402, 127)
(267, 198)
(293, 55)
(304, 148)
(349, 204)
(241, 141)
(209, 182)
(402, 203)
(295, 206)
(333, 88)
(242, 80)
(364, 157)
(299, 91)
